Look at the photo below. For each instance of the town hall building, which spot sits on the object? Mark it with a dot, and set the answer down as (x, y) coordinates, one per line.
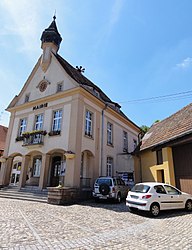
(63, 128)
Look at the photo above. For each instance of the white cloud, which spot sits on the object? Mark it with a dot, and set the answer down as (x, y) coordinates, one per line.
(21, 19)
(186, 63)
(116, 11)
(113, 17)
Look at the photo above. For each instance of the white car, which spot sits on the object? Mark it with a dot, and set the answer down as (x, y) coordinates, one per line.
(154, 197)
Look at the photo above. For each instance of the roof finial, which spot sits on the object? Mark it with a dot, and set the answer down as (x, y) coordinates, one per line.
(54, 17)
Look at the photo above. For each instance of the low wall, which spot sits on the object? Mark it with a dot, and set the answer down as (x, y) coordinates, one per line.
(62, 195)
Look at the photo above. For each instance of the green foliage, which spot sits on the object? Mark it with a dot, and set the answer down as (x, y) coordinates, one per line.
(144, 128)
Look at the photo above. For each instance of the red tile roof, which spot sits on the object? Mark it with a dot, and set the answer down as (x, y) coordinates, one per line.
(175, 126)
(3, 134)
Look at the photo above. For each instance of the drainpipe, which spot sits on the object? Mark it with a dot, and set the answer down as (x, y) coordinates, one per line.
(140, 167)
(102, 137)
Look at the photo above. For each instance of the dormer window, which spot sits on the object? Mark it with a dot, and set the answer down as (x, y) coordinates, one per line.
(96, 93)
(117, 108)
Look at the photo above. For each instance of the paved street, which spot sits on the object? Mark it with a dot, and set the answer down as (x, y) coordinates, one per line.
(31, 225)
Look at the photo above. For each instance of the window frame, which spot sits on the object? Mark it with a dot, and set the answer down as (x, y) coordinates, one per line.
(24, 127)
(109, 134)
(159, 156)
(134, 143)
(27, 96)
(109, 166)
(125, 141)
(89, 123)
(36, 124)
(59, 87)
(57, 119)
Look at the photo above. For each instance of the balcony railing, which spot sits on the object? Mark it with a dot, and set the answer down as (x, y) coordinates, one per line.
(33, 139)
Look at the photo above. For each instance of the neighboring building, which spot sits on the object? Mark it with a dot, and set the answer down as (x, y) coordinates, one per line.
(166, 151)
(65, 128)
(3, 134)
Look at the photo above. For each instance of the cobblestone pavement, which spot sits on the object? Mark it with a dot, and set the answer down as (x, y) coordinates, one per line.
(31, 225)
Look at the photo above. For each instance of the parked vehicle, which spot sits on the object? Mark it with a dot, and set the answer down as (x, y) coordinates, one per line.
(154, 197)
(110, 188)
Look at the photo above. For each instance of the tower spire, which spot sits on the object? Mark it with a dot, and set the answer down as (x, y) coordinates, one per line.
(51, 34)
(50, 42)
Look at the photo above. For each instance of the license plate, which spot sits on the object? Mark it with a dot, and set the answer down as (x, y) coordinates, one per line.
(134, 196)
(103, 197)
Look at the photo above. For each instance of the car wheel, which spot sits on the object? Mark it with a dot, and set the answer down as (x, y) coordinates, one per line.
(104, 189)
(188, 205)
(155, 209)
(118, 198)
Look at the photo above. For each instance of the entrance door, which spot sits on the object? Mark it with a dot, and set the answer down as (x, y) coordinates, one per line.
(55, 171)
(15, 174)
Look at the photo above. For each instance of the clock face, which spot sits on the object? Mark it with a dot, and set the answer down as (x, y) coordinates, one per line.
(43, 86)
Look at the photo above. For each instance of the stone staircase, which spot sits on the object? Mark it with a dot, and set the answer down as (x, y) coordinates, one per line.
(28, 193)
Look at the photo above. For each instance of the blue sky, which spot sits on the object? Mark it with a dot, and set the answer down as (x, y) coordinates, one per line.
(131, 49)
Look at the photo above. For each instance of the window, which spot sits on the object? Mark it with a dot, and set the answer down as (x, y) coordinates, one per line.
(109, 166)
(39, 122)
(134, 143)
(57, 117)
(125, 141)
(89, 124)
(140, 188)
(159, 157)
(172, 190)
(106, 181)
(22, 126)
(27, 98)
(109, 133)
(37, 167)
(59, 87)
(160, 189)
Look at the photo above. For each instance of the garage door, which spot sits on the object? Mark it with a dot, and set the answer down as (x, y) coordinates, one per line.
(182, 158)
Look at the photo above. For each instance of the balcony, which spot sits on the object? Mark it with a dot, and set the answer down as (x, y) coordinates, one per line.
(34, 138)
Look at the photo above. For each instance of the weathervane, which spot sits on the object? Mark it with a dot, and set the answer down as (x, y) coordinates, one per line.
(80, 69)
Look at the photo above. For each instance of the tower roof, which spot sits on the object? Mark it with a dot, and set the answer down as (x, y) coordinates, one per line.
(51, 34)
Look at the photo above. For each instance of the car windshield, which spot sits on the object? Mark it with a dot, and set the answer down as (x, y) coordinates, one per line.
(106, 181)
(140, 188)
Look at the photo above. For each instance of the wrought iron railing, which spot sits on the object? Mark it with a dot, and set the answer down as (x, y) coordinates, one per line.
(34, 139)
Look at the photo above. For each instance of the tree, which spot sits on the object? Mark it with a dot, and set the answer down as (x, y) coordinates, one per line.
(144, 128)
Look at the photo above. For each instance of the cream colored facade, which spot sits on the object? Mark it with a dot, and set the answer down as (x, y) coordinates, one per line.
(71, 156)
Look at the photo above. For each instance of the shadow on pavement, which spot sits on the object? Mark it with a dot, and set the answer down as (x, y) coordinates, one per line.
(163, 214)
(122, 208)
(106, 204)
